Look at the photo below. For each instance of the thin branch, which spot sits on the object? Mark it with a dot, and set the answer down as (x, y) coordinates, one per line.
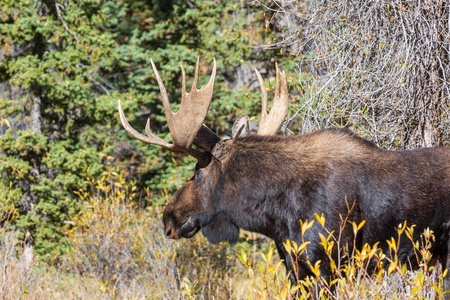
(58, 11)
(381, 70)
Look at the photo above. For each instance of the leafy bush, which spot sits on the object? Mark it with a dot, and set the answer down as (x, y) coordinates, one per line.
(118, 246)
(352, 278)
(102, 235)
(64, 66)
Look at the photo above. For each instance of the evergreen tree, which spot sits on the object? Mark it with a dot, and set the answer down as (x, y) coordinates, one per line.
(63, 67)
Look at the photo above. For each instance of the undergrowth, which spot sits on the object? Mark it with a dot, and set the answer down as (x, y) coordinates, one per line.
(118, 251)
(367, 273)
(124, 250)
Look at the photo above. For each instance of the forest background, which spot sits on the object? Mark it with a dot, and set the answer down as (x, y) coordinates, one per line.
(87, 196)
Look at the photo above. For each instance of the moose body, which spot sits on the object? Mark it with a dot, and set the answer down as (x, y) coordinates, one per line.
(266, 183)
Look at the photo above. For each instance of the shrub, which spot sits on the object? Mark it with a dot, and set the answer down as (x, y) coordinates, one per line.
(103, 233)
(351, 277)
(125, 251)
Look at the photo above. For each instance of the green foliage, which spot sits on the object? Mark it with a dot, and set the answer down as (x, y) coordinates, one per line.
(65, 65)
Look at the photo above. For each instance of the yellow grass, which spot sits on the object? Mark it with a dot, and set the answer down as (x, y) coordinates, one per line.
(119, 252)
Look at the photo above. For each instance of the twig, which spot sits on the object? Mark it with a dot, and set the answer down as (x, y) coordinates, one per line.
(58, 11)
(8, 164)
(380, 69)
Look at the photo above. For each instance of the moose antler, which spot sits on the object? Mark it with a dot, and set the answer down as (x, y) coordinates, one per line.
(185, 123)
(270, 123)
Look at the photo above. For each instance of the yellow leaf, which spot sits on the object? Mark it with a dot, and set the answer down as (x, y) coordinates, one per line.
(302, 246)
(305, 225)
(269, 255)
(392, 267)
(284, 293)
(333, 266)
(287, 246)
(361, 224)
(435, 287)
(118, 184)
(320, 219)
(323, 240)
(6, 122)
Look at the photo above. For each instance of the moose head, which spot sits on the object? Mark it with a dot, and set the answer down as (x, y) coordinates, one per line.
(196, 205)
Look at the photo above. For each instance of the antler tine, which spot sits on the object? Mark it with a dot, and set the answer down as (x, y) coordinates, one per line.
(264, 103)
(164, 98)
(277, 81)
(186, 123)
(194, 84)
(193, 109)
(150, 139)
(183, 83)
(270, 123)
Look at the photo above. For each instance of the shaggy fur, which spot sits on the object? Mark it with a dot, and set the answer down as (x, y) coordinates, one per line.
(267, 184)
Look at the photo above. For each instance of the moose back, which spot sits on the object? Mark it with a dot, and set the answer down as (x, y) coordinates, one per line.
(266, 183)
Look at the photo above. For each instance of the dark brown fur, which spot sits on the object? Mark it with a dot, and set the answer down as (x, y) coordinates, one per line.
(267, 184)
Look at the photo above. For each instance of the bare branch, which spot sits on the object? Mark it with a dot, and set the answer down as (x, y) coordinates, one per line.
(58, 11)
(380, 68)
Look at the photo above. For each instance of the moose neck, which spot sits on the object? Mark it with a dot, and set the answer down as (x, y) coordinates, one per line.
(267, 180)
(259, 184)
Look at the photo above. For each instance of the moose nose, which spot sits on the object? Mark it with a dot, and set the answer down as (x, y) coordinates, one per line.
(171, 233)
(168, 232)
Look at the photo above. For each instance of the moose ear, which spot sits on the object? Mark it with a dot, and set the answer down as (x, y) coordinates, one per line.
(206, 139)
(240, 127)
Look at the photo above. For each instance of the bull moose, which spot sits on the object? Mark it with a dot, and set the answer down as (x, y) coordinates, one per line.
(266, 183)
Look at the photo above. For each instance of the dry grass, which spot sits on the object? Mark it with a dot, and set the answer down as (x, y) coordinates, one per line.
(119, 252)
(125, 252)
(15, 277)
